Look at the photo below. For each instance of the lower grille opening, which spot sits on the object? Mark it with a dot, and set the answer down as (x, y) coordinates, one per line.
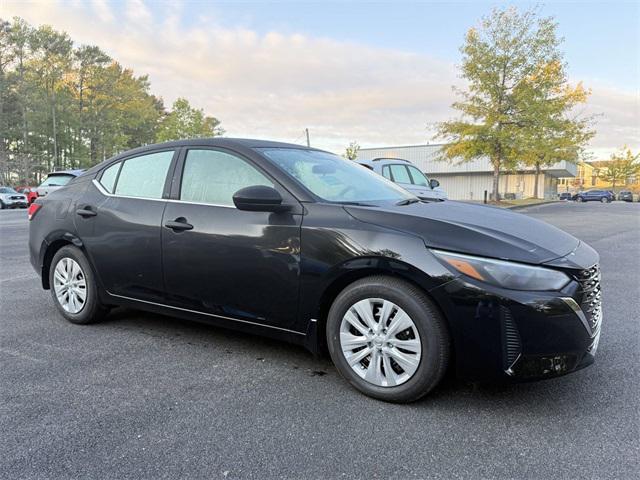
(511, 343)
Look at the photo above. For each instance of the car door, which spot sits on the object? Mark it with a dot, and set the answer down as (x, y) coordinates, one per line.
(422, 188)
(118, 219)
(240, 265)
(399, 174)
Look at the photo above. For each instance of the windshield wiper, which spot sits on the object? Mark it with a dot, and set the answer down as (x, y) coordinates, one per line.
(408, 201)
(358, 204)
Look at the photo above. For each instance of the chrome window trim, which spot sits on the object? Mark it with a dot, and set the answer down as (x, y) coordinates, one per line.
(205, 313)
(107, 194)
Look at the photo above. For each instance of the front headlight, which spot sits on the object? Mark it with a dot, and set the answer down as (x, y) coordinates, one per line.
(515, 276)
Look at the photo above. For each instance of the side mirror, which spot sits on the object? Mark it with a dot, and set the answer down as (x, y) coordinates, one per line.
(433, 183)
(259, 198)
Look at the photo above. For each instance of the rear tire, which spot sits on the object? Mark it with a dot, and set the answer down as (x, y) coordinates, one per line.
(580, 199)
(73, 287)
(424, 341)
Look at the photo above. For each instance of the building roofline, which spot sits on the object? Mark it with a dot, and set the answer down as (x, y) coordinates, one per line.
(404, 146)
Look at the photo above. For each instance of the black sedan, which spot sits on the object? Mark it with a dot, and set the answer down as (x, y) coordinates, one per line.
(626, 196)
(299, 244)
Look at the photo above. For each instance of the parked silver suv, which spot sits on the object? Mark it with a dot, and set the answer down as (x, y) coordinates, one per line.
(408, 176)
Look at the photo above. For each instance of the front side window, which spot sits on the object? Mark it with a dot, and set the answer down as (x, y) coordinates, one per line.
(332, 178)
(144, 176)
(58, 180)
(212, 176)
(417, 177)
(400, 174)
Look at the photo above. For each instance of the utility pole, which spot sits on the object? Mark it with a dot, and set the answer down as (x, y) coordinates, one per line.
(306, 130)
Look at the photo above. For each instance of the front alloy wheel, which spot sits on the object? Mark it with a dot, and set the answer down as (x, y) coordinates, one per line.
(380, 342)
(388, 339)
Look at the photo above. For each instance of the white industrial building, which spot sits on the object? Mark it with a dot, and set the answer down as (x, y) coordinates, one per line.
(469, 180)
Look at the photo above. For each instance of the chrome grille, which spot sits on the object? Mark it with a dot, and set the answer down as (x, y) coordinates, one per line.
(591, 303)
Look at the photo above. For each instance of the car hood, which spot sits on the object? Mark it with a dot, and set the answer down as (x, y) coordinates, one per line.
(474, 229)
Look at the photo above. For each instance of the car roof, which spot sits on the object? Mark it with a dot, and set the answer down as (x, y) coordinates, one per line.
(384, 161)
(75, 172)
(204, 142)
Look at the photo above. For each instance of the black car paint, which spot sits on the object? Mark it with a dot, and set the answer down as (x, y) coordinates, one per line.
(276, 273)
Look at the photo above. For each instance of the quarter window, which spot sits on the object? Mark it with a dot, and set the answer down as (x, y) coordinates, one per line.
(386, 173)
(144, 176)
(211, 176)
(400, 174)
(108, 178)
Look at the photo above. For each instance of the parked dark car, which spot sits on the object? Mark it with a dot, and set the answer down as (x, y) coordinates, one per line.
(565, 196)
(625, 195)
(302, 245)
(603, 196)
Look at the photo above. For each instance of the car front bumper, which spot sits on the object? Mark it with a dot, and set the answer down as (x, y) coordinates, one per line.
(16, 203)
(501, 334)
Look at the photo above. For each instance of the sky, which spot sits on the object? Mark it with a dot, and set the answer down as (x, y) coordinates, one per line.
(379, 73)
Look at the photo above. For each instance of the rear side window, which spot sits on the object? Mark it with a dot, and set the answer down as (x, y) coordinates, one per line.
(400, 174)
(108, 178)
(211, 176)
(144, 176)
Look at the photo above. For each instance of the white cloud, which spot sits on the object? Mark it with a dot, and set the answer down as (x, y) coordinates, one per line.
(103, 10)
(275, 85)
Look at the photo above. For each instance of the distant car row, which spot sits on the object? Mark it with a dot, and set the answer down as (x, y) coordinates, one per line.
(604, 196)
(24, 196)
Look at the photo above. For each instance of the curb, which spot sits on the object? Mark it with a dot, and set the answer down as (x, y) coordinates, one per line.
(519, 207)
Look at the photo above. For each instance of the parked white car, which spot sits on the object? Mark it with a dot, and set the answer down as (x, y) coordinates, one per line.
(56, 180)
(408, 176)
(9, 198)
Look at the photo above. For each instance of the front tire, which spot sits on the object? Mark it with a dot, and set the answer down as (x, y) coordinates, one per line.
(73, 287)
(388, 339)
(580, 199)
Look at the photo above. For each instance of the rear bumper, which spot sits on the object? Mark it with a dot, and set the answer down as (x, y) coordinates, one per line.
(509, 335)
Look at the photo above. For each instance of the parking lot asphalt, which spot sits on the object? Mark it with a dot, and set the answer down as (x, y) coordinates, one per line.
(147, 396)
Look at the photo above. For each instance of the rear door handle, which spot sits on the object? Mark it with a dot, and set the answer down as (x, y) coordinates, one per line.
(86, 212)
(179, 224)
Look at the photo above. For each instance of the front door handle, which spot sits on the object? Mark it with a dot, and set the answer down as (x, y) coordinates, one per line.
(179, 224)
(86, 212)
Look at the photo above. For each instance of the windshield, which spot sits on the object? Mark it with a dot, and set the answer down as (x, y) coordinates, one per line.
(57, 180)
(335, 179)
(7, 190)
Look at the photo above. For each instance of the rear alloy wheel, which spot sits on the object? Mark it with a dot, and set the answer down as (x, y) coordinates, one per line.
(388, 339)
(73, 287)
(580, 199)
(604, 200)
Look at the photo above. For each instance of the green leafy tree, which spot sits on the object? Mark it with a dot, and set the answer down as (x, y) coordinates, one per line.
(351, 152)
(621, 166)
(550, 132)
(185, 122)
(507, 48)
(63, 106)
